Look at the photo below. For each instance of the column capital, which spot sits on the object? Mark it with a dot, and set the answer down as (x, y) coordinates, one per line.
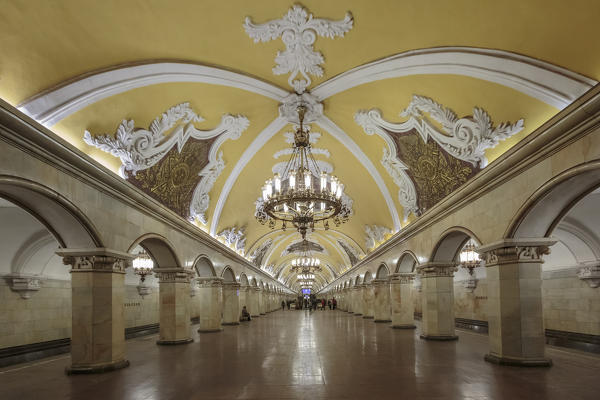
(97, 259)
(209, 281)
(402, 278)
(231, 285)
(173, 275)
(437, 269)
(509, 251)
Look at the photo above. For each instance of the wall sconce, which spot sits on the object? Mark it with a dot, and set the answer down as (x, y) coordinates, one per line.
(142, 266)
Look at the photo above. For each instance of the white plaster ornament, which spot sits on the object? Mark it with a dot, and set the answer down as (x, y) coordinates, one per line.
(298, 31)
(140, 149)
(464, 138)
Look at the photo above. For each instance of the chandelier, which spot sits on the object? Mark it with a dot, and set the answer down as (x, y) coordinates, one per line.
(143, 265)
(306, 263)
(470, 260)
(303, 195)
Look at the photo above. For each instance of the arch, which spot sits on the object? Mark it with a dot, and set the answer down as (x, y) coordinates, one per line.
(367, 278)
(407, 262)
(228, 275)
(244, 279)
(357, 280)
(544, 209)
(69, 225)
(204, 267)
(159, 248)
(383, 271)
(450, 243)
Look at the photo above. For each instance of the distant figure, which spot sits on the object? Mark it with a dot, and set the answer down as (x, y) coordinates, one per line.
(323, 304)
(329, 304)
(245, 315)
(334, 303)
(282, 305)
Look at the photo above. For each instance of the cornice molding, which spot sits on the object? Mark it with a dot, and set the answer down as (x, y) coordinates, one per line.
(21, 131)
(546, 82)
(569, 125)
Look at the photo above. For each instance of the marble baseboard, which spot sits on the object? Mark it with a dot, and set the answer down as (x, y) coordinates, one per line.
(34, 351)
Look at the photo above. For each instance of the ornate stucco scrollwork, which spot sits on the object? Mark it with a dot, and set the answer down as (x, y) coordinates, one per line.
(590, 274)
(435, 270)
(96, 263)
(257, 255)
(375, 234)
(465, 139)
(141, 149)
(234, 237)
(402, 278)
(173, 275)
(298, 31)
(511, 251)
(353, 254)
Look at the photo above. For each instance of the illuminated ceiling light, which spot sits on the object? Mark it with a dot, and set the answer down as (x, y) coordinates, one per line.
(303, 195)
(470, 260)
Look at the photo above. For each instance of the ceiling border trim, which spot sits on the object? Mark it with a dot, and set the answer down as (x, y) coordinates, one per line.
(546, 82)
(53, 106)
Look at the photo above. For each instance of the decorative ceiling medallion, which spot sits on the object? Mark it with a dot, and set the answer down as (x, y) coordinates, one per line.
(375, 234)
(298, 31)
(141, 149)
(288, 109)
(234, 238)
(464, 138)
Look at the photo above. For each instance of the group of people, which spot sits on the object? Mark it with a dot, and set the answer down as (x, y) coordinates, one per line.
(310, 303)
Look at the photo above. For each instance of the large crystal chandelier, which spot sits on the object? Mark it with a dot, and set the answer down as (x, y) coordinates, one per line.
(303, 195)
(306, 263)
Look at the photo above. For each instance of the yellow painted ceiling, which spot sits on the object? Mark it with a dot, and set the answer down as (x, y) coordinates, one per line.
(45, 44)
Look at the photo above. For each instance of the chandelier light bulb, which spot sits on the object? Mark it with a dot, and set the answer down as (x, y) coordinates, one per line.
(333, 184)
(292, 180)
(307, 180)
(277, 183)
(323, 181)
(339, 191)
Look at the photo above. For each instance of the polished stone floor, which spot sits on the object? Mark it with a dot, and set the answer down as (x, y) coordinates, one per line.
(304, 355)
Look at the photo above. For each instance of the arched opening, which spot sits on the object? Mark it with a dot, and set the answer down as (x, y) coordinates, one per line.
(35, 222)
(407, 262)
(566, 209)
(244, 279)
(228, 275)
(367, 278)
(204, 267)
(159, 248)
(383, 272)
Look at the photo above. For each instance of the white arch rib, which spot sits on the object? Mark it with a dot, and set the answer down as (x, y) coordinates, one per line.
(51, 107)
(355, 149)
(546, 82)
(549, 83)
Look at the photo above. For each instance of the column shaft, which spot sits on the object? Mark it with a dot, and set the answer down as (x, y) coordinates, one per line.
(174, 305)
(516, 324)
(367, 297)
(438, 301)
(210, 291)
(402, 302)
(381, 300)
(98, 325)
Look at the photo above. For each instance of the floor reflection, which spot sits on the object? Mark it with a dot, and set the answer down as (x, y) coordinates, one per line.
(312, 355)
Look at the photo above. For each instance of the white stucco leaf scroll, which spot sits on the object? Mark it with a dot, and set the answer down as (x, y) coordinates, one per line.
(140, 149)
(298, 30)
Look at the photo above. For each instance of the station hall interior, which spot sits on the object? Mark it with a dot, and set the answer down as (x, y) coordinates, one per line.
(299, 200)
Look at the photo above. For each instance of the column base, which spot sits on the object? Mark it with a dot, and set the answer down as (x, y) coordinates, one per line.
(408, 326)
(254, 316)
(350, 312)
(97, 368)
(174, 342)
(210, 330)
(367, 317)
(439, 337)
(357, 314)
(518, 362)
(381, 321)
(230, 323)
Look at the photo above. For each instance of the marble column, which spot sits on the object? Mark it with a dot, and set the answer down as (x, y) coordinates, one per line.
(254, 302)
(381, 300)
(357, 300)
(403, 308)
(174, 305)
(438, 301)
(98, 295)
(244, 299)
(210, 292)
(515, 318)
(349, 300)
(261, 301)
(367, 300)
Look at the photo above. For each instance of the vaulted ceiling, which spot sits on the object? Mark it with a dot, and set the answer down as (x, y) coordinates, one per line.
(473, 78)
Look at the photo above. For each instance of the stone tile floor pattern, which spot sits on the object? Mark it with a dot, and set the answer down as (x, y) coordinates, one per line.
(309, 355)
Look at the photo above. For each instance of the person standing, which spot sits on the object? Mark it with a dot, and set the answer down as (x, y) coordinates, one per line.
(334, 303)
(282, 305)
